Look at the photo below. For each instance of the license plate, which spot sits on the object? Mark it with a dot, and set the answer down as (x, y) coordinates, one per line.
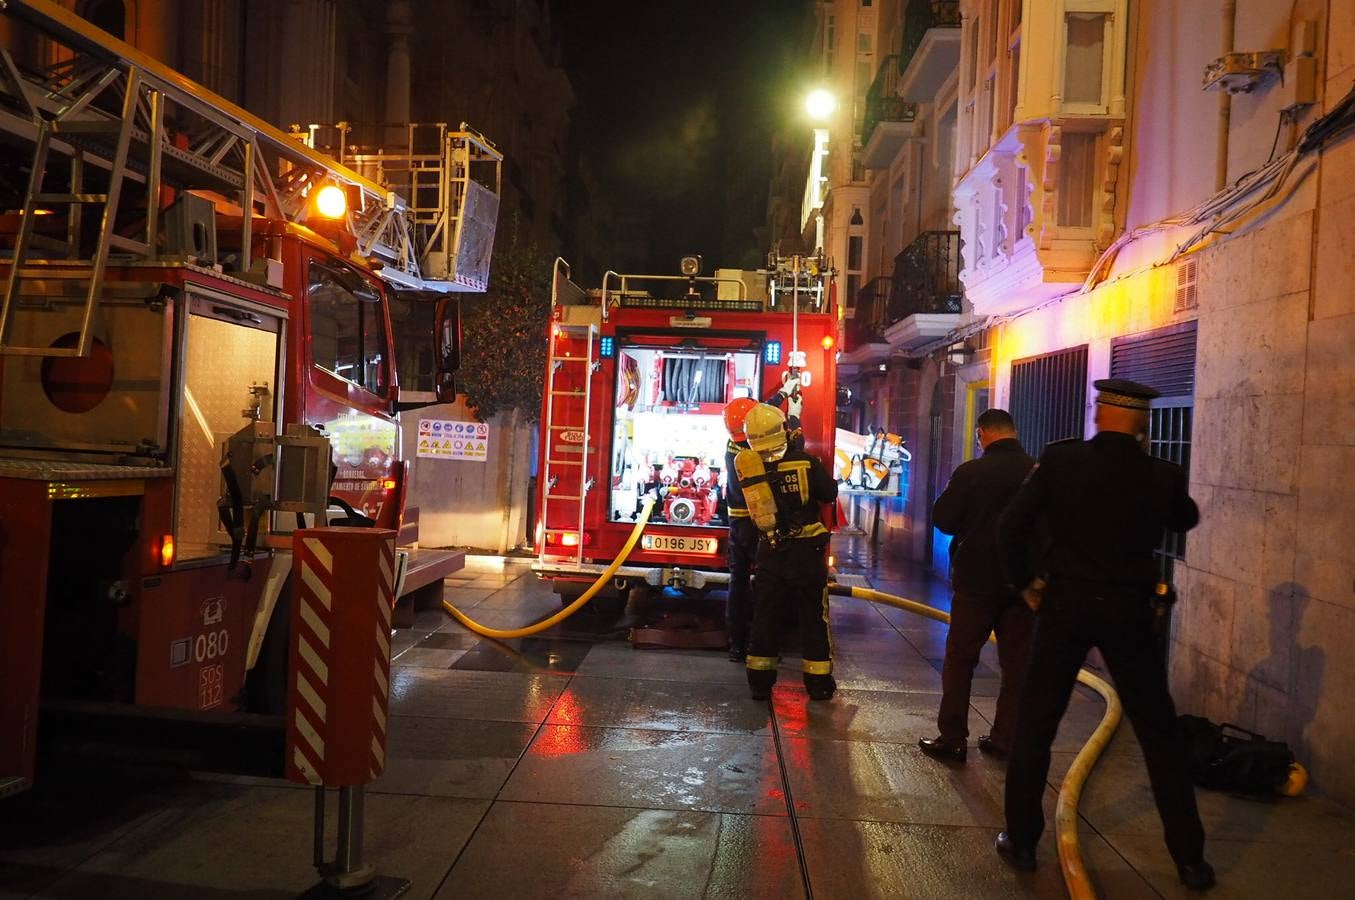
(680, 544)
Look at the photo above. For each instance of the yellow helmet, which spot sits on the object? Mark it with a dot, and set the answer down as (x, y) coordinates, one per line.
(766, 429)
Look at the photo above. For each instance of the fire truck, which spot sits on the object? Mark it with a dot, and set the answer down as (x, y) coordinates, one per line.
(208, 331)
(637, 377)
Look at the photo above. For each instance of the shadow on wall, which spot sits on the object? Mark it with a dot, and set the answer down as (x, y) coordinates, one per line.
(1283, 688)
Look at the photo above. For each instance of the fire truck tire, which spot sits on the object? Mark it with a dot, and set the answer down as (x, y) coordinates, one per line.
(266, 683)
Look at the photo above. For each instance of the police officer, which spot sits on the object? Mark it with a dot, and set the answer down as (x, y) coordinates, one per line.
(1103, 504)
(741, 549)
(792, 564)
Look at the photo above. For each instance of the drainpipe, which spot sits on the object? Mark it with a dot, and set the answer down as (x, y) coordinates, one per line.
(1225, 99)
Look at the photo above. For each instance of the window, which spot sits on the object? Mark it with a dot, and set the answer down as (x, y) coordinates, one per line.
(830, 37)
(348, 326)
(1084, 59)
(1164, 359)
(853, 287)
(1049, 397)
(1076, 181)
(863, 42)
(854, 245)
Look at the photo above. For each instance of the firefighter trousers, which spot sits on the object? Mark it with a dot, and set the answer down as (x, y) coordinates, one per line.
(795, 572)
(743, 538)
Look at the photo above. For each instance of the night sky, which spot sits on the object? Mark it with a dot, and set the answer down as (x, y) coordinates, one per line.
(676, 107)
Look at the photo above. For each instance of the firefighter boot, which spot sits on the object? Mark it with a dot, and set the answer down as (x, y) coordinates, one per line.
(761, 676)
(819, 681)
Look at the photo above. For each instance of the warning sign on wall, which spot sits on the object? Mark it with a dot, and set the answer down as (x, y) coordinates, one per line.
(441, 439)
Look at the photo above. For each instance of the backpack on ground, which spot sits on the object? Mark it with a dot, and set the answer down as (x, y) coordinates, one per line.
(1228, 758)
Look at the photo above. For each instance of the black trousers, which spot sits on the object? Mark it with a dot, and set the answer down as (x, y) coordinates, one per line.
(794, 573)
(742, 551)
(972, 618)
(1075, 617)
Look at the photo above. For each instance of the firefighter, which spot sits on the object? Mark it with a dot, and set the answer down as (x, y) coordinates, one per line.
(783, 487)
(743, 534)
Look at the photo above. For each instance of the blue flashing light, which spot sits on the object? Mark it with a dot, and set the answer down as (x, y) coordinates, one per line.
(771, 353)
(608, 347)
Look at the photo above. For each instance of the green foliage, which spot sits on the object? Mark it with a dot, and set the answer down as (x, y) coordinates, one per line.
(503, 357)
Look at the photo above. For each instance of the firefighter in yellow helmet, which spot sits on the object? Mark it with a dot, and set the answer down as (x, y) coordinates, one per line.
(783, 487)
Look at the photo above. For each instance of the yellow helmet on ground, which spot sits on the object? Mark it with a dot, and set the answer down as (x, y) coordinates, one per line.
(766, 429)
(1296, 782)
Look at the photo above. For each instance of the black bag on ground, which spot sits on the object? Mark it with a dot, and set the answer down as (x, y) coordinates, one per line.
(1227, 758)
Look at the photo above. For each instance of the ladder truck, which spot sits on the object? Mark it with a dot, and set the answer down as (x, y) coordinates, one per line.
(637, 377)
(200, 323)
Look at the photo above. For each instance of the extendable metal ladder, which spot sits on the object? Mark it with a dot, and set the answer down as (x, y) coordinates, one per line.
(569, 378)
(68, 122)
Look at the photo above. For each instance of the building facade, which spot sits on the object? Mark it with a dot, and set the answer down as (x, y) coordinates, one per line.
(1158, 191)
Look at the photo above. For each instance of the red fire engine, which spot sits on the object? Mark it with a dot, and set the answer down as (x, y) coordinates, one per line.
(200, 327)
(637, 378)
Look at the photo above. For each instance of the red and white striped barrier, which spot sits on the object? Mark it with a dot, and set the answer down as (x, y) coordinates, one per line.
(344, 593)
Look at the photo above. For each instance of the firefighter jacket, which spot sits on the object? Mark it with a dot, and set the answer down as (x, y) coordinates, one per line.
(738, 507)
(799, 483)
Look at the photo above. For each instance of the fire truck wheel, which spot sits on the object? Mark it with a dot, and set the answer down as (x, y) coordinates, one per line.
(266, 683)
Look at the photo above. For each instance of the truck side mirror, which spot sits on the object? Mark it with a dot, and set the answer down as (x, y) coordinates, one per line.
(447, 340)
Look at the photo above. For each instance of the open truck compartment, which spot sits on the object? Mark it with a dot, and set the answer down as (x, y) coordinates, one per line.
(668, 434)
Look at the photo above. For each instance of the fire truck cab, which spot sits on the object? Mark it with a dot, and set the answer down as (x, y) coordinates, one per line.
(204, 328)
(638, 375)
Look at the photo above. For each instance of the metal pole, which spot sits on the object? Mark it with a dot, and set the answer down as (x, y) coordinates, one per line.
(348, 855)
(319, 826)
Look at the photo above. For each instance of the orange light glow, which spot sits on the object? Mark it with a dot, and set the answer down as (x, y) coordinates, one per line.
(166, 550)
(832, 561)
(827, 342)
(389, 484)
(569, 539)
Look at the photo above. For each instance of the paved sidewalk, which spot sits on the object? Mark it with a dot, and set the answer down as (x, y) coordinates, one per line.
(570, 765)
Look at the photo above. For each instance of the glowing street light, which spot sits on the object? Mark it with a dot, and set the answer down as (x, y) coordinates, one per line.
(820, 104)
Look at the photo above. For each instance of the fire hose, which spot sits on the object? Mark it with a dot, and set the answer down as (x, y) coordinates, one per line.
(1075, 875)
(527, 630)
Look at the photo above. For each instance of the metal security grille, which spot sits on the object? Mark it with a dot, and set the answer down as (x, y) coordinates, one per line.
(1164, 359)
(1049, 397)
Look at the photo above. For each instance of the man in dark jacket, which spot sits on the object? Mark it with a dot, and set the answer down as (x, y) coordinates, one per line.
(1105, 503)
(981, 602)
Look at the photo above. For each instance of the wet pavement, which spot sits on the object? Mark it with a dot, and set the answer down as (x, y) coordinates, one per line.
(571, 765)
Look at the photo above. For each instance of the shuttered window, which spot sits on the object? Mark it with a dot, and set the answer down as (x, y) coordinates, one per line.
(1049, 397)
(1164, 359)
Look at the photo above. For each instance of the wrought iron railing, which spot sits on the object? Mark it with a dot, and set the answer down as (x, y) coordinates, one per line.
(927, 276)
(882, 99)
(926, 279)
(921, 16)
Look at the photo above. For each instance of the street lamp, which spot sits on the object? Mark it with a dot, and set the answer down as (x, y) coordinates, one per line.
(820, 104)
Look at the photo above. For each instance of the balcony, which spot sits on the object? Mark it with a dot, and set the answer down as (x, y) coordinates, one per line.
(931, 48)
(927, 298)
(918, 304)
(888, 120)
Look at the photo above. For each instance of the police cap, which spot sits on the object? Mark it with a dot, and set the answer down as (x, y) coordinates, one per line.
(1122, 392)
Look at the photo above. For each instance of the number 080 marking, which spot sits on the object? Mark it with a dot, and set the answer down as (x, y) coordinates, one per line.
(211, 645)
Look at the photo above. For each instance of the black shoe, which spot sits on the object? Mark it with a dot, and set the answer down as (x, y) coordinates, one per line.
(760, 693)
(989, 746)
(820, 693)
(943, 748)
(738, 654)
(1197, 876)
(1022, 858)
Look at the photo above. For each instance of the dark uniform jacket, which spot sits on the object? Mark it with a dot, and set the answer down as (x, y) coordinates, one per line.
(969, 508)
(738, 507)
(800, 483)
(1105, 503)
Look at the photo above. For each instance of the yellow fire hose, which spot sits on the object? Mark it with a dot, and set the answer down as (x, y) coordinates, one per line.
(1075, 875)
(526, 631)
